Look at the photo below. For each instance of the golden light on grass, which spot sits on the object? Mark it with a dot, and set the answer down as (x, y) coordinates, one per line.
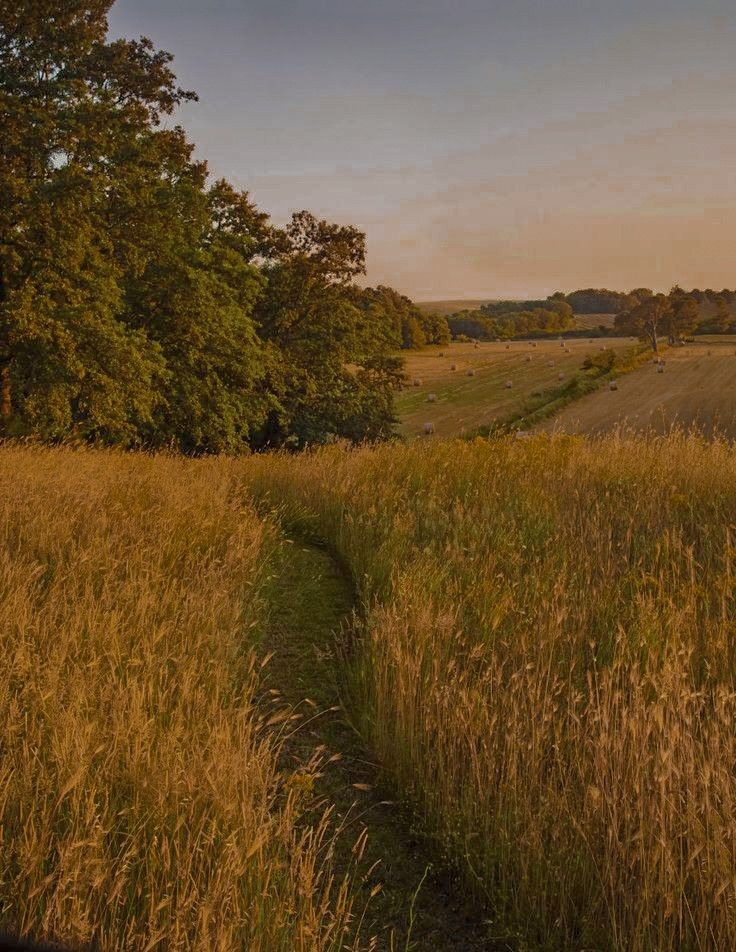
(142, 804)
(548, 674)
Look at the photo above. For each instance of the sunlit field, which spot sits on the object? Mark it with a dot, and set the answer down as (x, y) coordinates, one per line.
(463, 403)
(695, 391)
(142, 800)
(547, 671)
(541, 673)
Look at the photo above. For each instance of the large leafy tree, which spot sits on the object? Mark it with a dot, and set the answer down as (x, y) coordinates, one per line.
(683, 315)
(331, 364)
(647, 319)
(140, 303)
(72, 106)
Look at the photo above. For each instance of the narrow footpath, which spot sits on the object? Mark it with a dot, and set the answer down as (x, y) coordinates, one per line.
(416, 909)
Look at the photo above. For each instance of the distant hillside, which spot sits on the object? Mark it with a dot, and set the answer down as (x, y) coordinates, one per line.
(452, 307)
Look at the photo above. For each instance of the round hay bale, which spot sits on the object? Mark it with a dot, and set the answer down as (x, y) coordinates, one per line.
(470, 372)
(550, 363)
(442, 353)
(508, 347)
(416, 382)
(534, 345)
(613, 385)
(453, 366)
(428, 429)
(528, 360)
(509, 384)
(660, 369)
(431, 398)
(560, 376)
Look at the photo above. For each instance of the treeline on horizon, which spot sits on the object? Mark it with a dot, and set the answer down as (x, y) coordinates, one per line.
(685, 312)
(142, 303)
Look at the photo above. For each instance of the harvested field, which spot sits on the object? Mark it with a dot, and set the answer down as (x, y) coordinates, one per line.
(696, 391)
(464, 403)
(594, 321)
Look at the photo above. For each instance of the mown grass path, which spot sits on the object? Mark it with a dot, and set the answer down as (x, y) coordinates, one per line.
(312, 614)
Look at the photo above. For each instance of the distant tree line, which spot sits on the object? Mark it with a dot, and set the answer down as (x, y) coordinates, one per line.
(141, 303)
(678, 315)
(641, 311)
(492, 323)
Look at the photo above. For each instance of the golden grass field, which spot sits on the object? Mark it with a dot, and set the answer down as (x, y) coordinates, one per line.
(696, 390)
(143, 804)
(547, 675)
(542, 672)
(465, 403)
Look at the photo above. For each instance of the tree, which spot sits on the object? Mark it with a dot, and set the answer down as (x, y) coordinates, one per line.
(140, 304)
(683, 315)
(71, 105)
(723, 318)
(330, 369)
(646, 319)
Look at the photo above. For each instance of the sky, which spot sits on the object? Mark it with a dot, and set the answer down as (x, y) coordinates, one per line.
(488, 148)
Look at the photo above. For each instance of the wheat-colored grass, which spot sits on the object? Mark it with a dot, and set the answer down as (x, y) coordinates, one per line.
(142, 805)
(548, 670)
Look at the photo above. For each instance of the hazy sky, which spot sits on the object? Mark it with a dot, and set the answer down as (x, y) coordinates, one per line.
(487, 147)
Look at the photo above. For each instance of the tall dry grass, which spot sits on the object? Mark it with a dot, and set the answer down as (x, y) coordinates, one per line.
(548, 670)
(141, 801)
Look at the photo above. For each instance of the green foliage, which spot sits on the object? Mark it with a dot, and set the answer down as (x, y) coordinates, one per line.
(555, 318)
(138, 305)
(411, 326)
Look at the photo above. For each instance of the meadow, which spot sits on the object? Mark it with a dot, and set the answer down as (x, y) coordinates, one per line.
(547, 670)
(144, 801)
(540, 673)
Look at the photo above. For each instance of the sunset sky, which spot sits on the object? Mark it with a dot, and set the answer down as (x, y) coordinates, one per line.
(487, 147)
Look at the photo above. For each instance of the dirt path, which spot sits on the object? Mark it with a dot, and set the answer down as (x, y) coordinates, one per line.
(312, 603)
(697, 390)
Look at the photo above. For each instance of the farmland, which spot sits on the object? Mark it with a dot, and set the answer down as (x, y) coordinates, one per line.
(451, 306)
(464, 403)
(696, 391)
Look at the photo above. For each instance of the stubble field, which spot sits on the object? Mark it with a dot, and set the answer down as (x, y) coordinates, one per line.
(464, 403)
(697, 390)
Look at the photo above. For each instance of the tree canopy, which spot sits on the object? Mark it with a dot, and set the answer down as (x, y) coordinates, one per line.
(141, 303)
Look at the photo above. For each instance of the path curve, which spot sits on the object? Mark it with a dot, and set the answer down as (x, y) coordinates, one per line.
(416, 910)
